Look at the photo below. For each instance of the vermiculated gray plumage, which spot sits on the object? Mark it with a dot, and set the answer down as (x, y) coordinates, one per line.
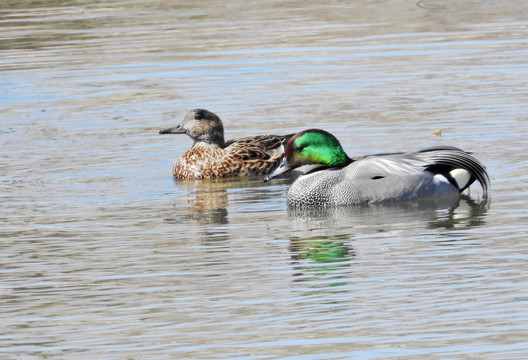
(386, 177)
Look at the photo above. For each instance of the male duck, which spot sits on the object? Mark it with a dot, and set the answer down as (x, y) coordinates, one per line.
(212, 157)
(331, 178)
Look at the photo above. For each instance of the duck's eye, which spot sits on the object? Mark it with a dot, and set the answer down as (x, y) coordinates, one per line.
(200, 114)
(300, 147)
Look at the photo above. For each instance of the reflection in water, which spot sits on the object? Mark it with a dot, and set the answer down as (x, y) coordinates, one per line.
(322, 261)
(205, 202)
(448, 213)
(320, 249)
(321, 253)
(467, 213)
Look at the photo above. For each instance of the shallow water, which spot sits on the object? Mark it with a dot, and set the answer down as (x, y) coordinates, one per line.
(104, 256)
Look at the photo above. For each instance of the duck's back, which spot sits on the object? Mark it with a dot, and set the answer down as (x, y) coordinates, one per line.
(368, 180)
(250, 156)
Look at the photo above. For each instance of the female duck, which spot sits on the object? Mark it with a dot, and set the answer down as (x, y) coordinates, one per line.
(212, 157)
(331, 178)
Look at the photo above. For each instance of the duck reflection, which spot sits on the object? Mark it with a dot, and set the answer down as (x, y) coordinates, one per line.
(466, 213)
(321, 249)
(205, 203)
(323, 263)
(325, 252)
(402, 216)
(322, 252)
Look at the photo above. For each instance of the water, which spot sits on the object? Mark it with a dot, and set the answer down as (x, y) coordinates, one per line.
(104, 256)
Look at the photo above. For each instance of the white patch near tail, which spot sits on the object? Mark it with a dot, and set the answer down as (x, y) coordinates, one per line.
(461, 177)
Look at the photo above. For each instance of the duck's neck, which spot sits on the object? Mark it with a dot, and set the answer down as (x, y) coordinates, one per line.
(217, 138)
(212, 139)
(310, 169)
(207, 144)
(331, 156)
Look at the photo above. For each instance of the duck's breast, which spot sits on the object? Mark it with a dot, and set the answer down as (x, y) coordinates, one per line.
(198, 163)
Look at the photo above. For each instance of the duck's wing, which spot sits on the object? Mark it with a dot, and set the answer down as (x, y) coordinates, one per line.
(256, 147)
(460, 168)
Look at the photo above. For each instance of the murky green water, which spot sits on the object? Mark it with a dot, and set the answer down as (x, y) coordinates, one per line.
(104, 256)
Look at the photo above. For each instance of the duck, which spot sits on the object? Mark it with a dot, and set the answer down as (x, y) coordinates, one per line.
(211, 157)
(329, 177)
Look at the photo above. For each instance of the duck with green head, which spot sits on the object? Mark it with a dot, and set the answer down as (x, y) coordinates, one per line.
(331, 178)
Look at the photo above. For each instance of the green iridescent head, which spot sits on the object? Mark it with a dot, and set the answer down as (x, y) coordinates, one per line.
(311, 149)
(315, 146)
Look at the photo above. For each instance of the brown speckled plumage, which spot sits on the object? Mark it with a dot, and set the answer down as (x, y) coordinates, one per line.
(211, 157)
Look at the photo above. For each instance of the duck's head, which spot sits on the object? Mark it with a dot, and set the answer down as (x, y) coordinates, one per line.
(310, 150)
(201, 126)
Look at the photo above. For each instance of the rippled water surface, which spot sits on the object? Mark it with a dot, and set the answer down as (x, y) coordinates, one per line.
(104, 256)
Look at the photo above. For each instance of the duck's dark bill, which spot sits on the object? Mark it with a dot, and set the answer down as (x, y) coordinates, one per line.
(283, 168)
(173, 130)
